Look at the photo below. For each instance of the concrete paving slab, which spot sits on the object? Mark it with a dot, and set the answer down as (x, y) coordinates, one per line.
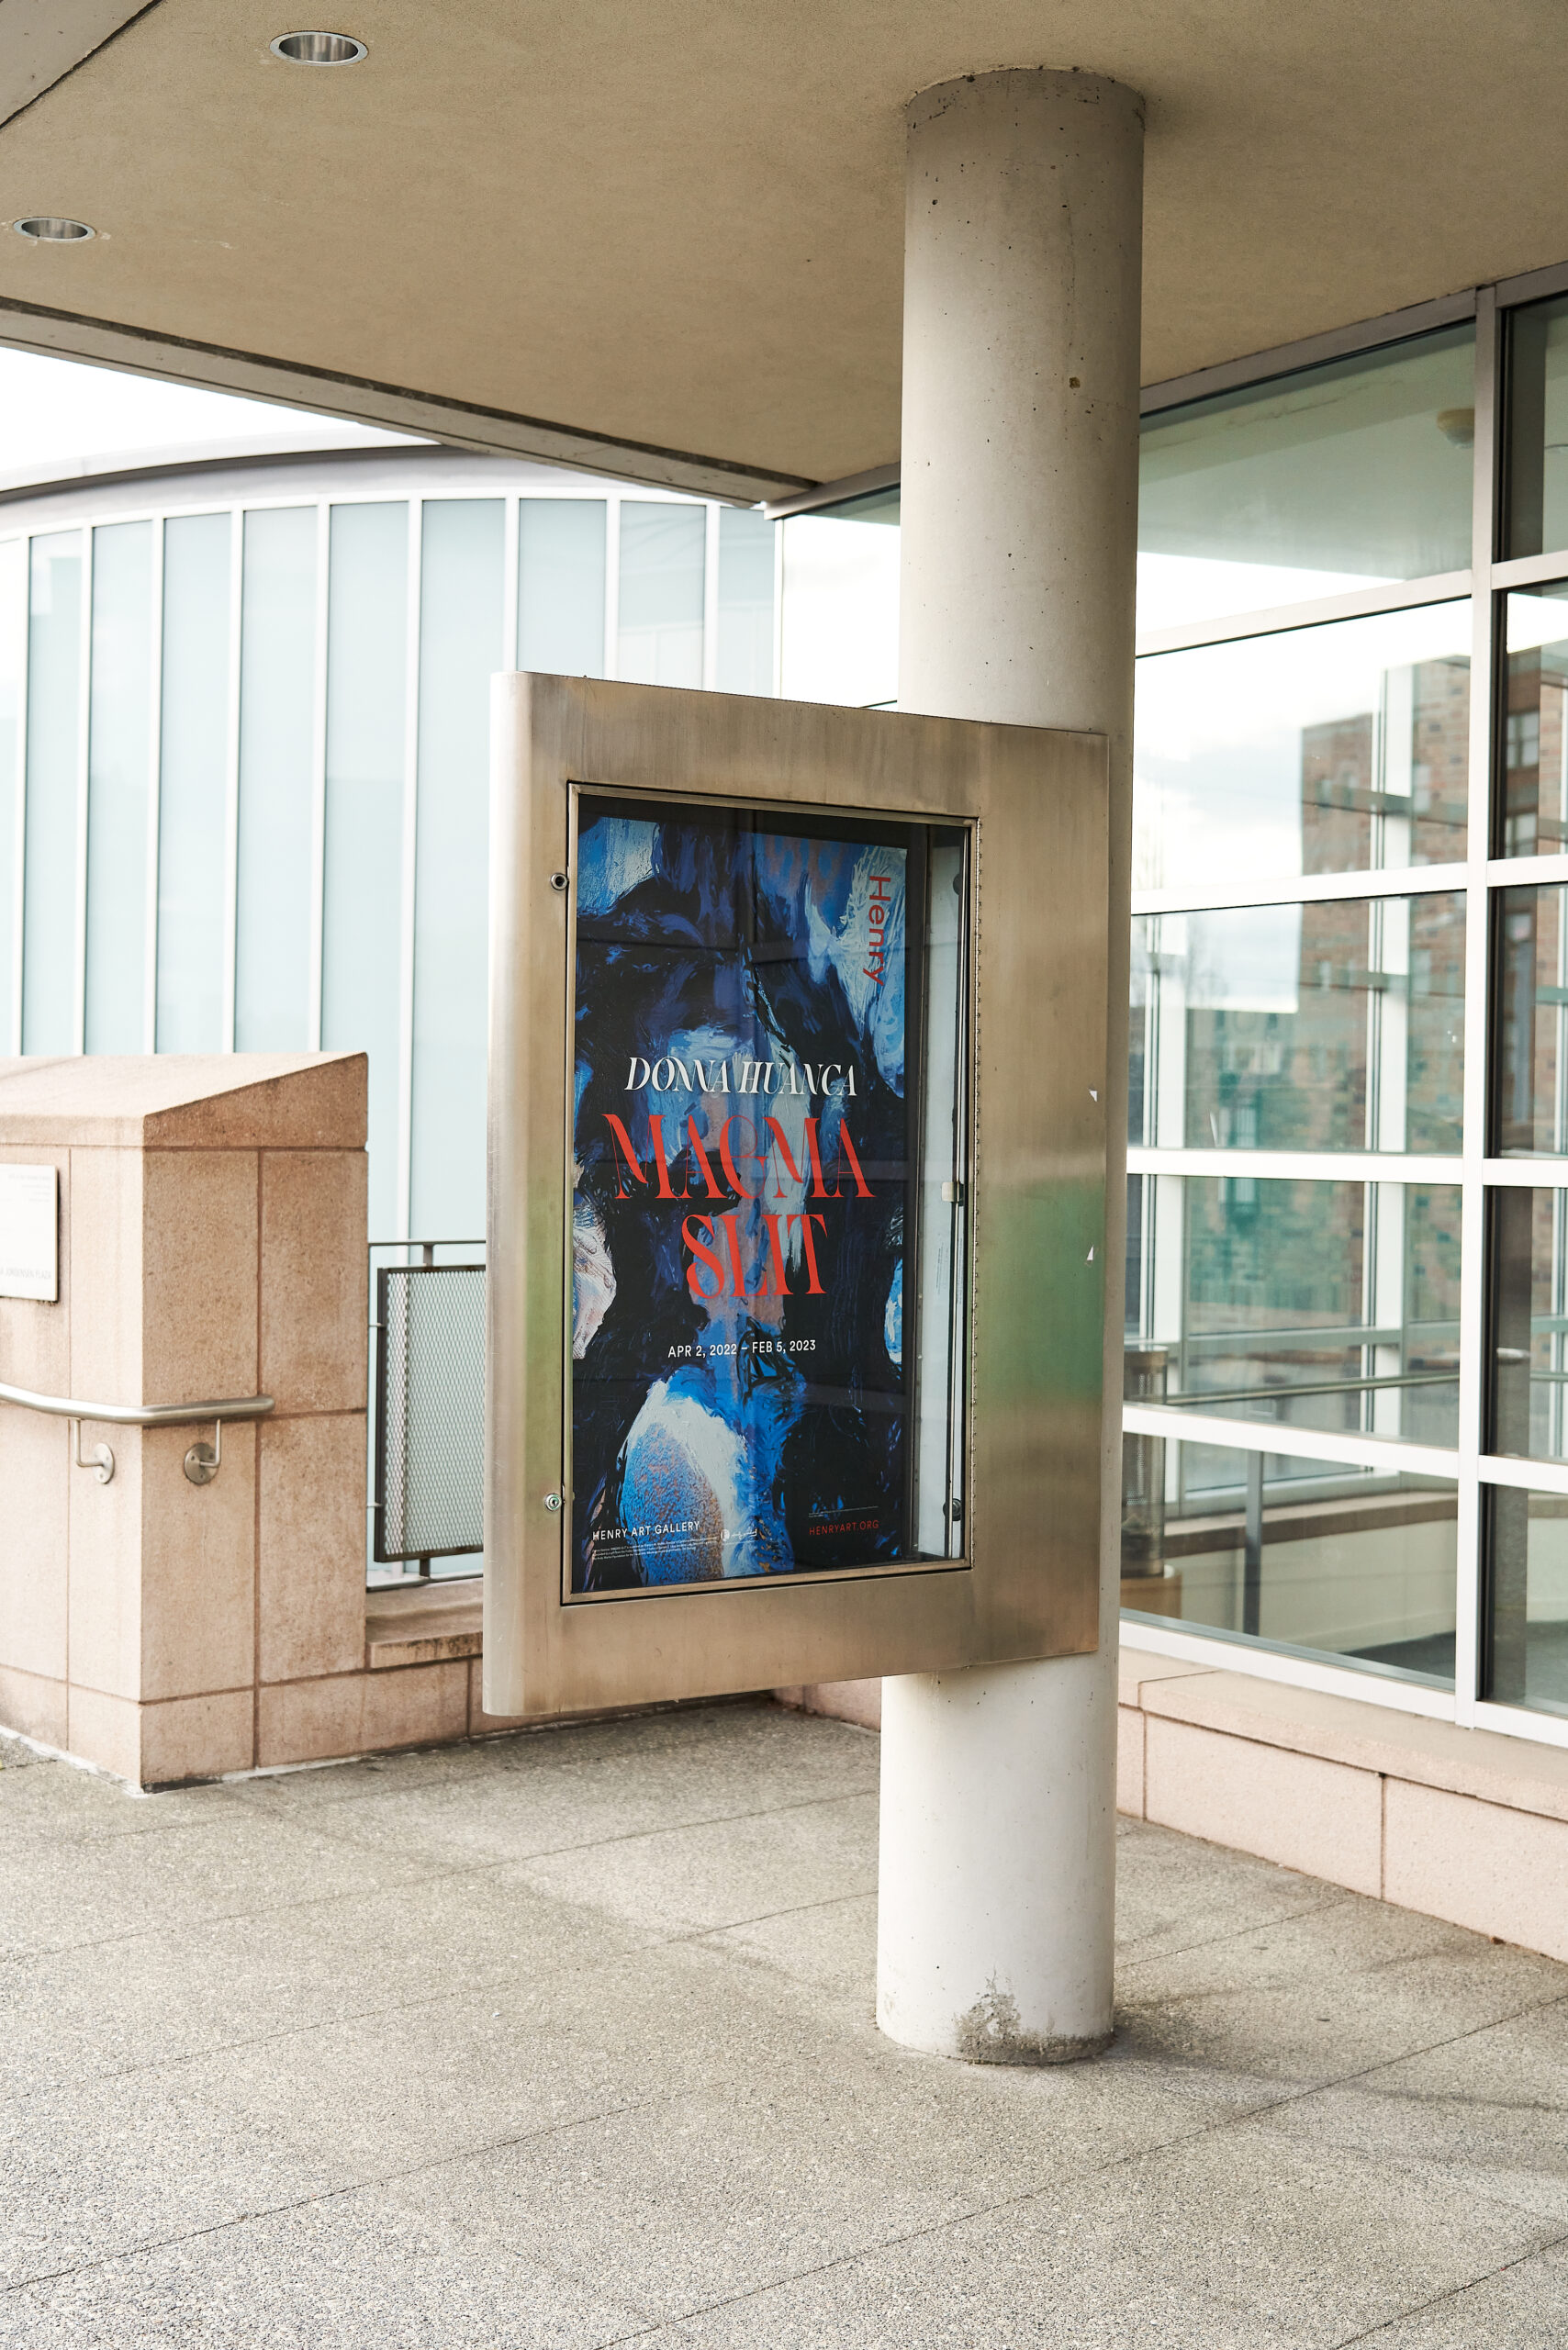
(113, 2167)
(1328, 1992)
(827, 1946)
(692, 1880)
(303, 1789)
(506, 2064)
(345, 2273)
(818, 2147)
(542, 1805)
(232, 1863)
(62, 1802)
(1176, 1894)
(341, 2057)
(1491, 2154)
(175, 1992)
(1191, 2248)
(1518, 2065)
(706, 1737)
(1522, 2306)
(1489, 2109)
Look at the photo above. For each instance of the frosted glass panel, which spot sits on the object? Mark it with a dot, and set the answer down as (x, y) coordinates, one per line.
(13, 653)
(193, 784)
(840, 607)
(661, 593)
(746, 602)
(560, 587)
(277, 700)
(367, 624)
(460, 644)
(54, 662)
(119, 779)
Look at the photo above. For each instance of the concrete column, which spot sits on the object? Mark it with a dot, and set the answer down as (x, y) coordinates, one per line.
(1022, 280)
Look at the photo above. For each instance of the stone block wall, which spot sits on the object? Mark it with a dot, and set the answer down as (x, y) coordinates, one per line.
(1465, 1825)
(212, 1244)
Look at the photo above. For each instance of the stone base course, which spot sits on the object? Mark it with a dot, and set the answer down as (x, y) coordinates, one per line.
(1464, 1825)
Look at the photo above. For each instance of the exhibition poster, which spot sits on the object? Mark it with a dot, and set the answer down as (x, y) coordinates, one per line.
(745, 1137)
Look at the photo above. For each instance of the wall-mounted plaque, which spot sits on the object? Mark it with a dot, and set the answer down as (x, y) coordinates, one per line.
(30, 1233)
(796, 1194)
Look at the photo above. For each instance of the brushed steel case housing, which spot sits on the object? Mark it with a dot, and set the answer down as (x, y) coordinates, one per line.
(1036, 803)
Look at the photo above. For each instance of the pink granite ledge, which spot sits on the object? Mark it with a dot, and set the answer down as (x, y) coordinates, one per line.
(187, 1101)
(1515, 1772)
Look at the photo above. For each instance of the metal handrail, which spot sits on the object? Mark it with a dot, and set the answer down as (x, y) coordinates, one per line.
(202, 1462)
(141, 1416)
(1203, 1400)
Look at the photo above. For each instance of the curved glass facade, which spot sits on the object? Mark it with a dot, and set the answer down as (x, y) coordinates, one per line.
(245, 765)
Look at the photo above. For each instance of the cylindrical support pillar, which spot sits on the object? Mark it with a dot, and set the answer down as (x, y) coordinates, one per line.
(1022, 285)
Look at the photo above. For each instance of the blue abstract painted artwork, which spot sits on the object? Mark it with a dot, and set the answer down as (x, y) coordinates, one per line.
(743, 1148)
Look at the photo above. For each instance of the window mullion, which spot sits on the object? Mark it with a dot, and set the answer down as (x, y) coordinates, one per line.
(1469, 1629)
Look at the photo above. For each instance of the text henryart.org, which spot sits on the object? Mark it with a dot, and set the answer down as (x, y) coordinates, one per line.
(741, 1145)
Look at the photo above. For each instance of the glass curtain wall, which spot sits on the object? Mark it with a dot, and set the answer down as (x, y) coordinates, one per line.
(1346, 1423)
(1303, 801)
(244, 769)
(1348, 1100)
(1525, 1435)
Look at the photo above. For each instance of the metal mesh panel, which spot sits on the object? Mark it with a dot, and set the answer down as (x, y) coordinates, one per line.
(430, 1432)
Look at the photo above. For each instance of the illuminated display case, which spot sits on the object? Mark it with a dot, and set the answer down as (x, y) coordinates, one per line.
(796, 1193)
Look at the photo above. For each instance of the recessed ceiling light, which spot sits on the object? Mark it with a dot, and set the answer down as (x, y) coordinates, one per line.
(318, 49)
(47, 229)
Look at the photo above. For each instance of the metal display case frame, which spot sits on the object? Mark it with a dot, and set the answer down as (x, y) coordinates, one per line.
(1035, 805)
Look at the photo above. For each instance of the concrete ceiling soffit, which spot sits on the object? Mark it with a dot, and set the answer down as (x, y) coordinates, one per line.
(43, 41)
(667, 241)
(459, 424)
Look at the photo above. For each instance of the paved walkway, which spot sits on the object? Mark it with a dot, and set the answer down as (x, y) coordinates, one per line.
(567, 2040)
